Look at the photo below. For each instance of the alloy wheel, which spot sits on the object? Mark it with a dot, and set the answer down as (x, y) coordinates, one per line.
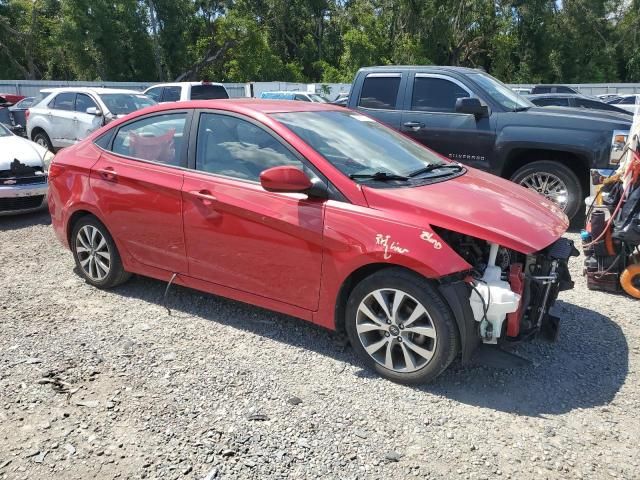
(549, 185)
(93, 253)
(42, 142)
(396, 330)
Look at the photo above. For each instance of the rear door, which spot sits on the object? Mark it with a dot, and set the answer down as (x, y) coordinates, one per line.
(237, 234)
(381, 95)
(138, 188)
(432, 120)
(60, 115)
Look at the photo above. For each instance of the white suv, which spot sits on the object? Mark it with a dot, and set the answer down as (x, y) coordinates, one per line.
(183, 91)
(65, 116)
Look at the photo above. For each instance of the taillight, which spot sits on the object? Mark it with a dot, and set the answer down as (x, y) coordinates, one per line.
(55, 170)
(26, 114)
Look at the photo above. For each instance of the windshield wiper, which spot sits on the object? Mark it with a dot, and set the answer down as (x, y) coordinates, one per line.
(379, 176)
(435, 166)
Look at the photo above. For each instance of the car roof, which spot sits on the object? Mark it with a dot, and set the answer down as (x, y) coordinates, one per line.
(284, 92)
(387, 68)
(560, 95)
(178, 84)
(96, 90)
(552, 85)
(249, 105)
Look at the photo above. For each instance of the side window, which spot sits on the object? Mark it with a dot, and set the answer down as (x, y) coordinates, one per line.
(155, 93)
(436, 94)
(380, 92)
(63, 101)
(237, 148)
(158, 139)
(564, 90)
(83, 102)
(171, 94)
(551, 101)
(302, 98)
(628, 101)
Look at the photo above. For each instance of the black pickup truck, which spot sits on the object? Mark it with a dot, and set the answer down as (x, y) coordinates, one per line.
(470, 117)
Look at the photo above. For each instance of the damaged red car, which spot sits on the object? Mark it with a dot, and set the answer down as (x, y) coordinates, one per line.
(317, 212)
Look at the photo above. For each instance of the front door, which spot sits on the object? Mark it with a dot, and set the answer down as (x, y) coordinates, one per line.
(138, 189)
(85, 123)
(239, 235)
(431, 119)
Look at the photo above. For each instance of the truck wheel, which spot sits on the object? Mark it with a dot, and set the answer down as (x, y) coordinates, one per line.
(42, 139)
(400, 327)
(554, 181)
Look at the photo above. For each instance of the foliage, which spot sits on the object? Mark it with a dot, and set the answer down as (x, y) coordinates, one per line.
(317, 40)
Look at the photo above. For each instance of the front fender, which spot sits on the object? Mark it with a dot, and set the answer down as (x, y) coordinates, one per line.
(355, 237)
(593, 146)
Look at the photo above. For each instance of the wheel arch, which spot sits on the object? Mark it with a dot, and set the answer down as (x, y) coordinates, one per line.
(454, 293)
(36, 130)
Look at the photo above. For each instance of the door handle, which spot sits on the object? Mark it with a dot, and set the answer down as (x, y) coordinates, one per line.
(109, 174)
(205, 196)
(413, 125)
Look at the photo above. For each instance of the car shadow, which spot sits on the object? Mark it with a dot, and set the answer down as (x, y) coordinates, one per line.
(23, 220)
(584, 369)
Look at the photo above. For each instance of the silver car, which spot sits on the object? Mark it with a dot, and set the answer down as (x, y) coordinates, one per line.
(23, 174)
(65, 116)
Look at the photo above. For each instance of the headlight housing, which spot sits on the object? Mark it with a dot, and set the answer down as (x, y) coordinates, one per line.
(618, 141)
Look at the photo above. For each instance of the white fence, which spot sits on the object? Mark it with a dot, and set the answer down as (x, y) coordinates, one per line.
(29, 88)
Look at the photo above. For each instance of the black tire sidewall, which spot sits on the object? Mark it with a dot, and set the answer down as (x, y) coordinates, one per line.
(448, 342)
(116, 269)
(46, 140)
(561, 171)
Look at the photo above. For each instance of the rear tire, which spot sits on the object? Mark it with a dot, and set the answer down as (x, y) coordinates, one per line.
(96, 255)
(400, 326)
(554, 181)
(42, 139)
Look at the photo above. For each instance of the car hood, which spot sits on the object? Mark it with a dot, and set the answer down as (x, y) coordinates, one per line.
(480, 205)
(25, 151)
(587, 119)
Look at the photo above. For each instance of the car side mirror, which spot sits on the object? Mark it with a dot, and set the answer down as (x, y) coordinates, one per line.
(471, 106)
(94, 111)
(287, 179)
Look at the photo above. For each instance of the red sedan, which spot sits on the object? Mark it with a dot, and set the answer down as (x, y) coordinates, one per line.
(320, 213)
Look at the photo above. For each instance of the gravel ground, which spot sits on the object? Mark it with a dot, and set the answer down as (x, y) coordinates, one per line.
(106, 384)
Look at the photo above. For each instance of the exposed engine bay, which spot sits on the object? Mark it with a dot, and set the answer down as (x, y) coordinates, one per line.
(512, 293)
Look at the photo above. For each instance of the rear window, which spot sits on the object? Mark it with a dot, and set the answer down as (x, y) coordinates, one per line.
(63, 101)
(208, 92)
(380, 92)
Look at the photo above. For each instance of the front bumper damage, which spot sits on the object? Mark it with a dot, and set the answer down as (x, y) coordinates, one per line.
(511, 304)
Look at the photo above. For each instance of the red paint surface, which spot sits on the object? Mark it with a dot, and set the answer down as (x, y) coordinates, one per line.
(283, 251)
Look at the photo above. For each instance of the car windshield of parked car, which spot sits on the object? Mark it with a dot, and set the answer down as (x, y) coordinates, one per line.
(124, 103)
(500, 93)
(358, 145)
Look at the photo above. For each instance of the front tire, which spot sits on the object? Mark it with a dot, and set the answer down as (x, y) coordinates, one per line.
(96, 255)
(554, 181)
(400, 326)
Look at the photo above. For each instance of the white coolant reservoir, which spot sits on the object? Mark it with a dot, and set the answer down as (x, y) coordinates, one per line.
(495, 295)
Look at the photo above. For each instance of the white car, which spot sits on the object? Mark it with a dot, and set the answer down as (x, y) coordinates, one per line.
(183, 91)
(627, 102)
(65, 116)
(23, 174)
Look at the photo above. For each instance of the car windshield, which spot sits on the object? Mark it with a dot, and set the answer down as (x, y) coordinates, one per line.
(357, 145)
(502, 94)
(123, 103)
